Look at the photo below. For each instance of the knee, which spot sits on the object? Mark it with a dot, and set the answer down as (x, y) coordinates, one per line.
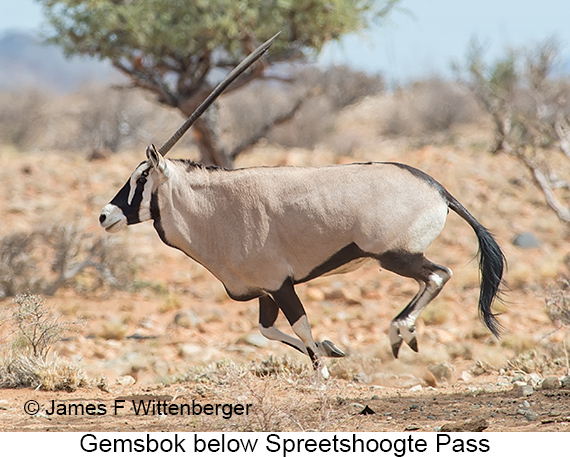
(267, 332)
(439, 277)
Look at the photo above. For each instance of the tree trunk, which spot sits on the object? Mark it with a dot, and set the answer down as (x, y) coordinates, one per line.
(206, 131)
(207, 138)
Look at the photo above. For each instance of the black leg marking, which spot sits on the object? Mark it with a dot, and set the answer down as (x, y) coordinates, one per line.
(288, 301)
(268, 311)
(347, 254)
(430, 277)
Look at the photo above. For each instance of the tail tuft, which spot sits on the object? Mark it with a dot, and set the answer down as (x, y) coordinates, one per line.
(492, 264)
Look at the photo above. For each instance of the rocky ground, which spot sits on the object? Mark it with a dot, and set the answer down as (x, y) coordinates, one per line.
(176, 336)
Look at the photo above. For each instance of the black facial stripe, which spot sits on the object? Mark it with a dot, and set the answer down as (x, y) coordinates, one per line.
(133, 216)
(131, 211)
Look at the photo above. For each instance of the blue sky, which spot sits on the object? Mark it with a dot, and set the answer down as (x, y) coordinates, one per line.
(417, 42)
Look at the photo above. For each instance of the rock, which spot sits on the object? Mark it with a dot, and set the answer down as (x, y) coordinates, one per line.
(442, 371)
(257, 340)
(3, 404)
(518, 378)
(466, 376)
(534, 379)
(103, 384)
(125, 381)
(470, 425)
(550, 383)
(315, 294)
(565, 382)
(531, 416)
(186, 319)
(189, 350)
(411, 428)
(357, 407)
(526, 240)
(522, 389)
(416, 388)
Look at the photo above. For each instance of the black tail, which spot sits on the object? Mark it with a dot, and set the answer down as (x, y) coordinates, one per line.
(491, 265)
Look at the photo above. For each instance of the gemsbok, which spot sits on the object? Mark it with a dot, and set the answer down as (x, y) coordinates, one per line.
(263, 230)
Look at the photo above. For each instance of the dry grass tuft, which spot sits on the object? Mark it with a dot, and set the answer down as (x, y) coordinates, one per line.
(26, 370)
(33, 331)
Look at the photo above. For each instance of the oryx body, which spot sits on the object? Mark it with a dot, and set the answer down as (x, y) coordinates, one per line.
(262, 230)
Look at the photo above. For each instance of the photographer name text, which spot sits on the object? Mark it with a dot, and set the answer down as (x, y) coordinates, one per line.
(142, 407)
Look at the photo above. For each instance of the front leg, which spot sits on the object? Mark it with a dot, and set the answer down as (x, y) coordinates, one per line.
(289, 303)
(268, 311)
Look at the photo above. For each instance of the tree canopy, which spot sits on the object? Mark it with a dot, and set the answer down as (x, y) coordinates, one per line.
(171, 47)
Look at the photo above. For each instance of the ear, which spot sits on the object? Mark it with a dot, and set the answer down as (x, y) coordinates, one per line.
(157, 161)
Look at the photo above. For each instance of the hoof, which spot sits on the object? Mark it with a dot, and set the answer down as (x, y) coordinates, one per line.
(396, 348)
(331, 350)
(413, 343)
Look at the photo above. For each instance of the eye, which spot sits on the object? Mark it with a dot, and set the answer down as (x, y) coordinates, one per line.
(142, 177)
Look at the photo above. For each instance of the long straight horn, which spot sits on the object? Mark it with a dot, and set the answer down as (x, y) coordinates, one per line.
(250, 59)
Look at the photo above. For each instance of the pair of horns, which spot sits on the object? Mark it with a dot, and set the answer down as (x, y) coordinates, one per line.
(249, 60)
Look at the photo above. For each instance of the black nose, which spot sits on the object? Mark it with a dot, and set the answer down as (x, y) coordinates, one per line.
(102, 218)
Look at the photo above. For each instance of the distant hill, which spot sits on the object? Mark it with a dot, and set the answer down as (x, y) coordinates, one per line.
(25, 60)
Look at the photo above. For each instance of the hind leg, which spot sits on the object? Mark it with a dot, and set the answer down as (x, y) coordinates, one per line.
(431, 279)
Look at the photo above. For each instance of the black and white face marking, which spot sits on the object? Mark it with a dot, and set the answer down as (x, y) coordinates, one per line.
(131, 205)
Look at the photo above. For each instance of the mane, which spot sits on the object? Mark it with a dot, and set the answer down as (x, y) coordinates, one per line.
(191, 165)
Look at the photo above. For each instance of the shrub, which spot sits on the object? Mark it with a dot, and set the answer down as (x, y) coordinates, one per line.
(42, 261)
(427, 107)
(25, 363)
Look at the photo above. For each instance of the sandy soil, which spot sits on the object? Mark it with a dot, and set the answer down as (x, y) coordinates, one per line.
(181, 339)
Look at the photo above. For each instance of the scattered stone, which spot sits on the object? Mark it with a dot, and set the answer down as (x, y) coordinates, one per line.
(526, 240)
(442, 371)
(125, 381)
(357, 407)
(556, 420)
(565, 382)
(531, 416)
(470, 425)
(411, 428)
(257, 340)
(534, 379)
(522, 389)
(524, 410)
(481, 368)
(152, 387)
(186, 319)
(103, 384)
(551, 383)
(189, 350)
(315, 294)
(466, 376)
(519, 377)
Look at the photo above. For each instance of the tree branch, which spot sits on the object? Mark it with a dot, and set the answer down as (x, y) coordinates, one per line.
(540, 178)
(273, 123)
